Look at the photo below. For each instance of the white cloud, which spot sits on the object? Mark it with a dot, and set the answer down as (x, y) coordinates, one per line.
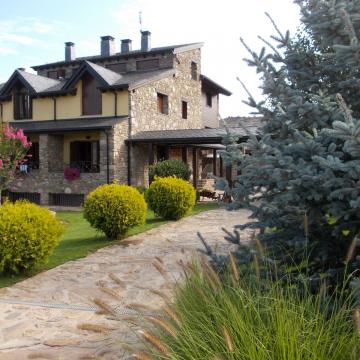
(7, 51)
(19, 39)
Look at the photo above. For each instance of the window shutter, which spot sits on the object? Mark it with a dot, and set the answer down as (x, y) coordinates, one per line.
(166, 104)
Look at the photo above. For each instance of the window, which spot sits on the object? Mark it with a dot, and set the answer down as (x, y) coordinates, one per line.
(163, 103)
(52, 74)
(33, 156)
(194, 70)
(91, 96)
(184, 109)
(85, 155)
(117, 67)
(208, 99)
(56, 74)
(22, 105)
(147, 64)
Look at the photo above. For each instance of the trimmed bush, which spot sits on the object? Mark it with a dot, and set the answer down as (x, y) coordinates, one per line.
(114, 209)
(170, 197)
(168, 168)
(28, 236)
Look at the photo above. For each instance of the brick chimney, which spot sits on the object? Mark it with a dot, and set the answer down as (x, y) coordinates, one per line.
(145, 40)
(126, 45)
(69, 51)
(107, 45)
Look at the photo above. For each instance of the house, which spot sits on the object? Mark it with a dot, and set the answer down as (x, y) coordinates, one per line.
(96, 119)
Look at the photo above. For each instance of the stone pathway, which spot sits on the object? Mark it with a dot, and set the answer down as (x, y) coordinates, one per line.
(35, 332)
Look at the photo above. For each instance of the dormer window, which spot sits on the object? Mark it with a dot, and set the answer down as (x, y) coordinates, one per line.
(91, 96)
(56, 74)
(22, 104)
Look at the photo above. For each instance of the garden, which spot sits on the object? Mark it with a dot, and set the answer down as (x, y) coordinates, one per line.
(293, 292)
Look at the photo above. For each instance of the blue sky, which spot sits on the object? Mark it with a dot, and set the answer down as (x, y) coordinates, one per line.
(33, 32)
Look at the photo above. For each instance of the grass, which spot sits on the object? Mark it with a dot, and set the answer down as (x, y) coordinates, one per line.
(80, 239)
(249, 319)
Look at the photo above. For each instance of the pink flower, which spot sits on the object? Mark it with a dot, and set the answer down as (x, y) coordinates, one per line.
(1, 164)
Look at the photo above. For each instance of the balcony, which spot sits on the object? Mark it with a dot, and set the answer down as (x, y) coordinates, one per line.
(84, 166)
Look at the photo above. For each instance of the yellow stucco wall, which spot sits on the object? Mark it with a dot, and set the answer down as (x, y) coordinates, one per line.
(8, 113)
(43, 109)
(78, 136)
(70, 106)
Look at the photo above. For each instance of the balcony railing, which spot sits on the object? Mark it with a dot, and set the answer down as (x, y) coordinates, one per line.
(29, 166)
(85, 166)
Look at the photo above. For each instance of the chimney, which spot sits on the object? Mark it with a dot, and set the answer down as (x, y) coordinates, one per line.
(145, 40)
(126, 45)
(69, 51)
(107, 45)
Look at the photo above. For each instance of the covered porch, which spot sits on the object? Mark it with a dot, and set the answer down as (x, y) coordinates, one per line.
(199, 148)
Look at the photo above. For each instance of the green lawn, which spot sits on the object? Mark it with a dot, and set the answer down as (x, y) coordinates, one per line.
(80, 239)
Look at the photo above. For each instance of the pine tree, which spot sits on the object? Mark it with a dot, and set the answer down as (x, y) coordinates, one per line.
(301, 180)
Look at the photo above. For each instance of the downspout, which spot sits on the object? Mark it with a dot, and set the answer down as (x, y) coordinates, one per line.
(129, 144)
(107, 158)
(55, 114)
(115, 103)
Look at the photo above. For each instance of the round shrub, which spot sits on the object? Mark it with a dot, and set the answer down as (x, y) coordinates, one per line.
(170, 168)
(28, 236)
(114, 209)
(170, 197)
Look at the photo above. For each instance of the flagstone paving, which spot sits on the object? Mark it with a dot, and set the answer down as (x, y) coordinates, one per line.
(28, 331)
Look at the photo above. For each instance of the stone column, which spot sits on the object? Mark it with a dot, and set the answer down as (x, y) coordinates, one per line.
(44, 168)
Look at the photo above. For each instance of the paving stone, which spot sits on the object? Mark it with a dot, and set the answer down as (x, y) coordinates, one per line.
(77, 283)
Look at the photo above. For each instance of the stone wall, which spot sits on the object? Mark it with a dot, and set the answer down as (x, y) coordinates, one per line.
(50, 176)
(180, 87)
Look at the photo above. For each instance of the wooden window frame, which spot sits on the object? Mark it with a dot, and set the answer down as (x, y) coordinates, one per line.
(194, 70)
(184, 109)
(163, 103)
(147, 64)
(87, 110)
(120, 65)
(22, 98)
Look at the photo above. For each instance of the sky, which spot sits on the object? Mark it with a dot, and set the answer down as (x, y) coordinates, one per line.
(33, 32)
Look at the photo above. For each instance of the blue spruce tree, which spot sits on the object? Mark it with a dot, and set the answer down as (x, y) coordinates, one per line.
(301, 179)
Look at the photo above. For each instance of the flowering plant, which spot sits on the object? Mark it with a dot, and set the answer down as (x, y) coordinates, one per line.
(13, 148)
(71, 173)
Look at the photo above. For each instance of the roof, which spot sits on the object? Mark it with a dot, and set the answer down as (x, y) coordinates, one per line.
(249, 122)
(108, 79)
(96, 123)
(213, 86)
(36, 84)
(188, 136)
(173, 48)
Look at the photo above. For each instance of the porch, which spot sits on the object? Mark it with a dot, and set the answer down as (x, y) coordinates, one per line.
(68, 159)
(200, 148)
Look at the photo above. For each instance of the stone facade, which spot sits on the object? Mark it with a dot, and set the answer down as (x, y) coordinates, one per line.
(49, 178)
(143, 100)
(144, 115)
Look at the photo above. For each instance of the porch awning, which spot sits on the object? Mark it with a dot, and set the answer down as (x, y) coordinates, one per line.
(78, 124)
(189, 136)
